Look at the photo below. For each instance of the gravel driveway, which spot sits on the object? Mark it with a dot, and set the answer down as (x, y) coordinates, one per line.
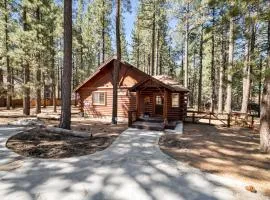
(133, 167)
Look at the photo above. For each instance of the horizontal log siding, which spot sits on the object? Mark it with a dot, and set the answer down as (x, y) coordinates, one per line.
(176, 113)
(125, 103)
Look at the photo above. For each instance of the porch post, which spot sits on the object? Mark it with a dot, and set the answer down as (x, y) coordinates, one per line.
(165, 107)
(137, 103)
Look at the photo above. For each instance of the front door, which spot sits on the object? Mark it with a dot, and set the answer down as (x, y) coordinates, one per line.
(159, 100)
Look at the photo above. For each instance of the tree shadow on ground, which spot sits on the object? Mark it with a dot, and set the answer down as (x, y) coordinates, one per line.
(229, 151)
(131, 169)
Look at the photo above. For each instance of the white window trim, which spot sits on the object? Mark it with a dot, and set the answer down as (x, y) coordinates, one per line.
(174, 106)
(99, 104)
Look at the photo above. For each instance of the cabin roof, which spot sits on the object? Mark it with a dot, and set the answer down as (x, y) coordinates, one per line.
(163, 80)
(171, 82)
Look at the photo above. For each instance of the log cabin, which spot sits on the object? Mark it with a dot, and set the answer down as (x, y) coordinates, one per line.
(139, 94)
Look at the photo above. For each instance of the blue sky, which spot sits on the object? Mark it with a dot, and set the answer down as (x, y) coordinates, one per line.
(129, 19)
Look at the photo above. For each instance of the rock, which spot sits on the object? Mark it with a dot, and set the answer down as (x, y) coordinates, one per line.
(251, 188)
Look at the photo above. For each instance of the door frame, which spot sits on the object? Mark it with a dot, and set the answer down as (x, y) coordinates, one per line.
(154, 104)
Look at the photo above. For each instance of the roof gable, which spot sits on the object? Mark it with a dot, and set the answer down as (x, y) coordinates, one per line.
(127, 74)
(130, 74)
(161, 80)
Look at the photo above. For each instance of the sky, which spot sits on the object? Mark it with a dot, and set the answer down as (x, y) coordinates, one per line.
(129, 19)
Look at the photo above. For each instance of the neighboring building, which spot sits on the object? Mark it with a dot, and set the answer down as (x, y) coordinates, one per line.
(148, 96)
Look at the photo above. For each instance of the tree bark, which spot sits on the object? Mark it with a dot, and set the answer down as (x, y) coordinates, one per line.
(9, 92)
(200, 72)
(230, 67)
(103, 32)
(26, 79)
(213, 94)
(260, 87)
(67, 71)
(186, 47)
(265, 105)
(157, 54)
(138, 52)
(221, 74)
(38, 72)
(247, 69)
(53, 70)
(116, 62)
(153, 41)
(44, 90)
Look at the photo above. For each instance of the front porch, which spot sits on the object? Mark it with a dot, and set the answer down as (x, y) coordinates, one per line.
(158, 105)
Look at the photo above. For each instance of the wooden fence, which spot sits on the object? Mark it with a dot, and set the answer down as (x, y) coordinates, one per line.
(19, 102)
(234, 118)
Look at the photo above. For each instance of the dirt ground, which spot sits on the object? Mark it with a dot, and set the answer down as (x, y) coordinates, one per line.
(38, 143)
(42, 144)
(7, 116)
(232, 152)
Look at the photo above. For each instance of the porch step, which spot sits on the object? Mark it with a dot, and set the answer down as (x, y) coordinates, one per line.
(156, 126)
(151, 119)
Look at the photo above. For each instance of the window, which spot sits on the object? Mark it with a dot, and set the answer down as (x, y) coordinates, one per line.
(175, 99)
(98, 98)
(159, 100)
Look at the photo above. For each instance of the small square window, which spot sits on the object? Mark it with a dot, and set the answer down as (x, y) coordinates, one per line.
(175, 100)
(98, 98)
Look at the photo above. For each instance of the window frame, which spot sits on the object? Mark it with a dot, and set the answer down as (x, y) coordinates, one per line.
(157, 99)
(99, 104)
(178, 101)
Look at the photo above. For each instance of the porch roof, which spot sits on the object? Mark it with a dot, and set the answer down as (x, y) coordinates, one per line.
(164, 81)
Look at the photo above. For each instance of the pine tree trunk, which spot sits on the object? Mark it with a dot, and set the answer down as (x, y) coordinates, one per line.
(149, 65)
(246, 81)
(221, 75)
(12, 87)
(116, 63)
(160, 64)
(144, 63)
(230, 67)
(157, 53)
(1, 85)
(38, 72)
(182, 66)
(265, 105)
(260, 87)
(247, 69)
(9, 92)
(103, 32)
(138, 53)
(193, 80)
(186, 47)
(26, 79)
(67, 71)
(200, 73)
(213, 95)
(153, 41)
(44, 91)
(53, 71)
